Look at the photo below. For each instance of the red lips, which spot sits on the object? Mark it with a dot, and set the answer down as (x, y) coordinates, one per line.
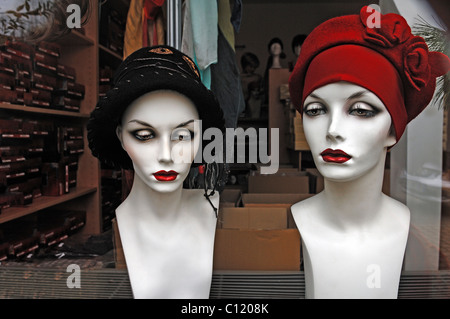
(164, 176)
(335, 156)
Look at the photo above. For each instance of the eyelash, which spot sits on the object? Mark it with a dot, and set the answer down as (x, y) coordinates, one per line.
(144, 137)
(316, 109)
(149, 134)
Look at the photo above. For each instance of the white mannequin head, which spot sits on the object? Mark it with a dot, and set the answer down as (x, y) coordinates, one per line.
(158, 132)
(346, 117)
(276, 49)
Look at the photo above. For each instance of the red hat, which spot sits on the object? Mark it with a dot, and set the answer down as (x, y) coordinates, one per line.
(389, 61)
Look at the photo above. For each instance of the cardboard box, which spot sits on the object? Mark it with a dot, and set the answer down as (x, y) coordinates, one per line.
(253, 218)
(274, 250)
(272, 199)
(240, 246)
(296, 183)
(230, 197)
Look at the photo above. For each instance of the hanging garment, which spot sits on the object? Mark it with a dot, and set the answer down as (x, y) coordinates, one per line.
(226, 82)
(144, 25)
(199, 39)
(224, 21)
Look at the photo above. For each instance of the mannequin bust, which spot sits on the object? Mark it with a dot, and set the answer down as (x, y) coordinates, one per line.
(151, 122)
(276, 53)
(349, 227)
(357, 88)
(171, 257)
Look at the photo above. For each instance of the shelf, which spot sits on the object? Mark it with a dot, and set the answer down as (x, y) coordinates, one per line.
(110, 52)
(75, 38)
(39, 110)
(44, 202)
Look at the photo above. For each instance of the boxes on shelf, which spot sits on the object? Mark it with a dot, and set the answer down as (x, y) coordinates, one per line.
(56, 225)
(256, 239)
(230, 198)
(55, 179)
(66, 72)
(21, 237)
(33, 76)
(297, 183)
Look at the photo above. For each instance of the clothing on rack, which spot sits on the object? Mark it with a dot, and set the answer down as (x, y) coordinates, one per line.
(145, 25)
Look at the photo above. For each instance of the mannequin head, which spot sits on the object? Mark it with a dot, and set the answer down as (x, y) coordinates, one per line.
(349, 118)
(157, 86)
(275, 48)
(389, 61)
(297, 43)
(249, 63)
(160, 134)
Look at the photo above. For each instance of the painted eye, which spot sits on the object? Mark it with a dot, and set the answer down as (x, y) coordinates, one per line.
(144, 135)
(182, 135)
(362, 109)
(314, 109)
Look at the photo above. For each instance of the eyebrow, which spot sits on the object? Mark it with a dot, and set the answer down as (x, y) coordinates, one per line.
(357, 95)
(149, 125)
(353, 96)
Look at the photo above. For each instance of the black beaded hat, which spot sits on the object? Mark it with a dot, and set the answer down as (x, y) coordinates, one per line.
(145, 70)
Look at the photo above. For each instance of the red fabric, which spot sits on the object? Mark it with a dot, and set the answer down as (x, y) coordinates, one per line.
(364, 67)
(416, 67)
(151, 10)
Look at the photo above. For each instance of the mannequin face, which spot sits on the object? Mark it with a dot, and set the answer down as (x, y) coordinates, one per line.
(275, 49)
(159, 135)
(348, 130)
(297, 49)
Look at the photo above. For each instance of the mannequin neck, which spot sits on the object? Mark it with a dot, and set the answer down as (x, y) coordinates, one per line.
(355, 203)
(276, 63)
(143, 199)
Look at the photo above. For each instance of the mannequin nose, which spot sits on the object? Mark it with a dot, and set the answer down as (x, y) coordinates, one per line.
(335, 129)
(165, 150)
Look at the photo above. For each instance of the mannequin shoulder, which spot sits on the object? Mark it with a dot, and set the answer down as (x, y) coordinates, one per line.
(304, 208)
(396, 209)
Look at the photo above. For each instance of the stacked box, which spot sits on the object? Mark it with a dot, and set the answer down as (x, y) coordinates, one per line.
(56, 225)
(63, 147)
(19, 237)
(37, 158)
(105, 81)
(34, 76)
(257, 239)
(15, 69)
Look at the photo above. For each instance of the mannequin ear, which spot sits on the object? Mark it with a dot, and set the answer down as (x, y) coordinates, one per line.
(119, 135)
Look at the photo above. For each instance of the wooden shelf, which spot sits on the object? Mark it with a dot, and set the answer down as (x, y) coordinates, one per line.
(44, 202)
(110, 52)
(75, 38)
(39, 110)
